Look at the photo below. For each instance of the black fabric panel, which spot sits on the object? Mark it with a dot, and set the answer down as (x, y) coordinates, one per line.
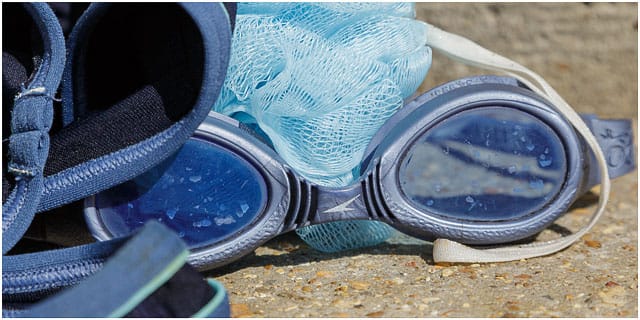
(134, 45)
(182, 296)
(6, 185)
(13, 75)
(139, 72)
(136, 118)
(26, 245)
(20, 36)
(60, 227)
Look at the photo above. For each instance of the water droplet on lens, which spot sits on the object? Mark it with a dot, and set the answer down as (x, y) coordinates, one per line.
(429, 202)
(469, 199)
(181, 234)
(543, 161)
(546, 150)
(523, 139)
(226, 220)
(530, 146)
(244, 207)
(202, 223)
(512, 169)
(171, 213)
(130, 205)
(195, 178)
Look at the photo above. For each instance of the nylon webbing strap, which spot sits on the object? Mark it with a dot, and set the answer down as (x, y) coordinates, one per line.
(464, 50)
(140, 266)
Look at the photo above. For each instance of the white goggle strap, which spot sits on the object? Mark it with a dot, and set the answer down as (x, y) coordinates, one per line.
(468, 52)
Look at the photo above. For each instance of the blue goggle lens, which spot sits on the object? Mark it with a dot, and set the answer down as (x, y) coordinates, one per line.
(204, 192)
(484, 164)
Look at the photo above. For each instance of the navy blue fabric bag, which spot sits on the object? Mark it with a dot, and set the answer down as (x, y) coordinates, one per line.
(109, 87)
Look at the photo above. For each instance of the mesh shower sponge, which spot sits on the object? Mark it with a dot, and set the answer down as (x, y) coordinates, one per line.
(319, 79)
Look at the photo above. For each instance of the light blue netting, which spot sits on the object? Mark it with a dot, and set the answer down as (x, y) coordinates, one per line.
(320, 79)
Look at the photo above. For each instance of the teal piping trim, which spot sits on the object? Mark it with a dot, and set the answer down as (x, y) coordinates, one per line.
(215, 302)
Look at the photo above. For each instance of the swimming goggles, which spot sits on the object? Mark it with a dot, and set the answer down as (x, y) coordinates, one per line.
(481, 160)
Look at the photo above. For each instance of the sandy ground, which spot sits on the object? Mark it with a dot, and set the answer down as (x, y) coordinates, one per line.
(589, 53)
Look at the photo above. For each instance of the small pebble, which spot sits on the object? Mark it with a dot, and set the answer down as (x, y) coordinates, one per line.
(342, 289)
(501, 276)
(321, 274)
(359, 285)
(340, 315)
(376, 314)
(447, 272)
(430, 299)
(291, 308)
(593, 244)
(523, 277)
(613, 295)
